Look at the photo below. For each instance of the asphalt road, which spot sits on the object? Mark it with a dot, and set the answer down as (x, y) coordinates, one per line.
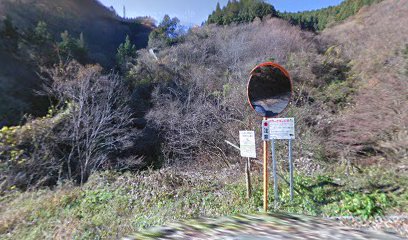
(263, 226)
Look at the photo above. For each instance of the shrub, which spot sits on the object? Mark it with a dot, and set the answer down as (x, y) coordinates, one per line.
(91, 121)
(71, 48)
(27, 154)
(363, 205)
(99, 119)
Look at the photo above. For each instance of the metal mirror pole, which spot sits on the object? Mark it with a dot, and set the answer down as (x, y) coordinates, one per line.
(275, 176)
(290, 169)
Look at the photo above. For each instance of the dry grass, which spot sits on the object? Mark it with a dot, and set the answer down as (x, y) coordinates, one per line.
(111, 205)
(374, 39)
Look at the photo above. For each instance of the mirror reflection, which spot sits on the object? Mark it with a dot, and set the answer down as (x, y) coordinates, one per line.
(269, 89)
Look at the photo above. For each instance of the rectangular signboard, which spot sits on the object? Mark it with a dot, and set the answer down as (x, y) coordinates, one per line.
(281, 128)
(247, 144)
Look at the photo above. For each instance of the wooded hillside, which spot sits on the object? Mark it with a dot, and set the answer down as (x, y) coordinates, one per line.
(119, 151)
(35, 32)
(318, 20)
(315, 20)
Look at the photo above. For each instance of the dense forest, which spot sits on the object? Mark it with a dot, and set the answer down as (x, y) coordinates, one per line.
(316, 20)
(241, 12)
(133, 119)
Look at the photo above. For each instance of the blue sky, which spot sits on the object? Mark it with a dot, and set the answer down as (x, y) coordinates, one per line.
(191, 12)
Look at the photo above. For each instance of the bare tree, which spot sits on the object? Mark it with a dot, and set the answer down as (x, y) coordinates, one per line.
(98, 119)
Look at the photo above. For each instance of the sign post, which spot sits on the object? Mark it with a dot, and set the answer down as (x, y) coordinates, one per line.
(247, 148)
(269, 93)
(248, 177)
(275, 176)
(290, 169)
(281, 128)
(265, 172)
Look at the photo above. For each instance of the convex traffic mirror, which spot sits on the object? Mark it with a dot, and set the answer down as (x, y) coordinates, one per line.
(269, 89)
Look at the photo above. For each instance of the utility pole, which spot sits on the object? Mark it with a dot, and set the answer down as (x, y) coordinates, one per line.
(124, 11)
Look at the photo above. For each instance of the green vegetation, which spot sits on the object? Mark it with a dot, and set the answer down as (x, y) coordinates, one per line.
(242, 11)
(41, 34)
(126, 51)
(111, 205)
(318, 20)
(71, 48)
(167, 33)
(363, 205)
(337, 80)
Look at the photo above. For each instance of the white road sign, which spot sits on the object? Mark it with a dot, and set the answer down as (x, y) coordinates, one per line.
(280, 128)
(247, 144)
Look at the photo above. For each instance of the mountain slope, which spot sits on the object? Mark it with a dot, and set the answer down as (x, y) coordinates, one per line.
(317, 20)
(102, 32)
(375, 125)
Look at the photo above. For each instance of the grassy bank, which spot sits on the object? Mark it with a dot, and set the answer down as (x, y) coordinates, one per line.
(111, 205)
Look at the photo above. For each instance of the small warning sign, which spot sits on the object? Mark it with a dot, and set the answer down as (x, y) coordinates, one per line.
(281, 128)
(247, 144)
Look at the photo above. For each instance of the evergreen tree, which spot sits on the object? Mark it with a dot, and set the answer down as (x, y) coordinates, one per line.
(216, 16)
(41, 34)
(125, 52)
(42, 44)
(240, 12)
(70, 47)
(169, 32)
(218, 8)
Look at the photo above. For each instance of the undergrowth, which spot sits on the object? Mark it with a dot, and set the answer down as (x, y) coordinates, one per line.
(111, 205)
